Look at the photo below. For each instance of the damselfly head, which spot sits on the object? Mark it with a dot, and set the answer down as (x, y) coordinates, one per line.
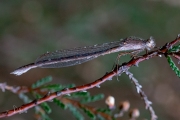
(150, 43)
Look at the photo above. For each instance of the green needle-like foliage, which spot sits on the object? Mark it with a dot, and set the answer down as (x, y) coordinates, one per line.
(85, 98)
(92, 98)
(54, 87)
(59, 103)
(173, 66)
(44, 105)
(175, 48)
(100, 117)
(89, 113)
(80, 94)
(57, 87)
(43, 115)
(105, 110)
(42, 82)
(75, 112)
(25, 98)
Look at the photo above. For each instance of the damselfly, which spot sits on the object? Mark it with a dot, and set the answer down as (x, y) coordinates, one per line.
(75, 56)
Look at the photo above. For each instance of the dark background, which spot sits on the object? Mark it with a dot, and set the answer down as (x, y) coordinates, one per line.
(31, 28)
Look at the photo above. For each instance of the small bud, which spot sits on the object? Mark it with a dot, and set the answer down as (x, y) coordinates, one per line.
(178, 36)
(160, 55)
(110, 101)
(134, 113)
(124, 106)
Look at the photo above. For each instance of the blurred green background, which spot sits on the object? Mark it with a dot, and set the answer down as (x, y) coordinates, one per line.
(31, 28)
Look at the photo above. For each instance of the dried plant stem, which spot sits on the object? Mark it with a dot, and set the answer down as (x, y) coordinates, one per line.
(18, 89)
(143, 95)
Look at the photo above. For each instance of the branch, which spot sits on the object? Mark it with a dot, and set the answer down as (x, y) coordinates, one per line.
(18, 89)
(118, 70)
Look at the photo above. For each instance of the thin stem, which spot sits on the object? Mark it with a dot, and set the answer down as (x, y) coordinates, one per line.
(143, 95)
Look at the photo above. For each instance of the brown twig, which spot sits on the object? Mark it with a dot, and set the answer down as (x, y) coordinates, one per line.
(116, 71)
(18, 89)
(64, 100)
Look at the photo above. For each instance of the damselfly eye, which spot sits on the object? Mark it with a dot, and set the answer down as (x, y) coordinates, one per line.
(150, 44)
